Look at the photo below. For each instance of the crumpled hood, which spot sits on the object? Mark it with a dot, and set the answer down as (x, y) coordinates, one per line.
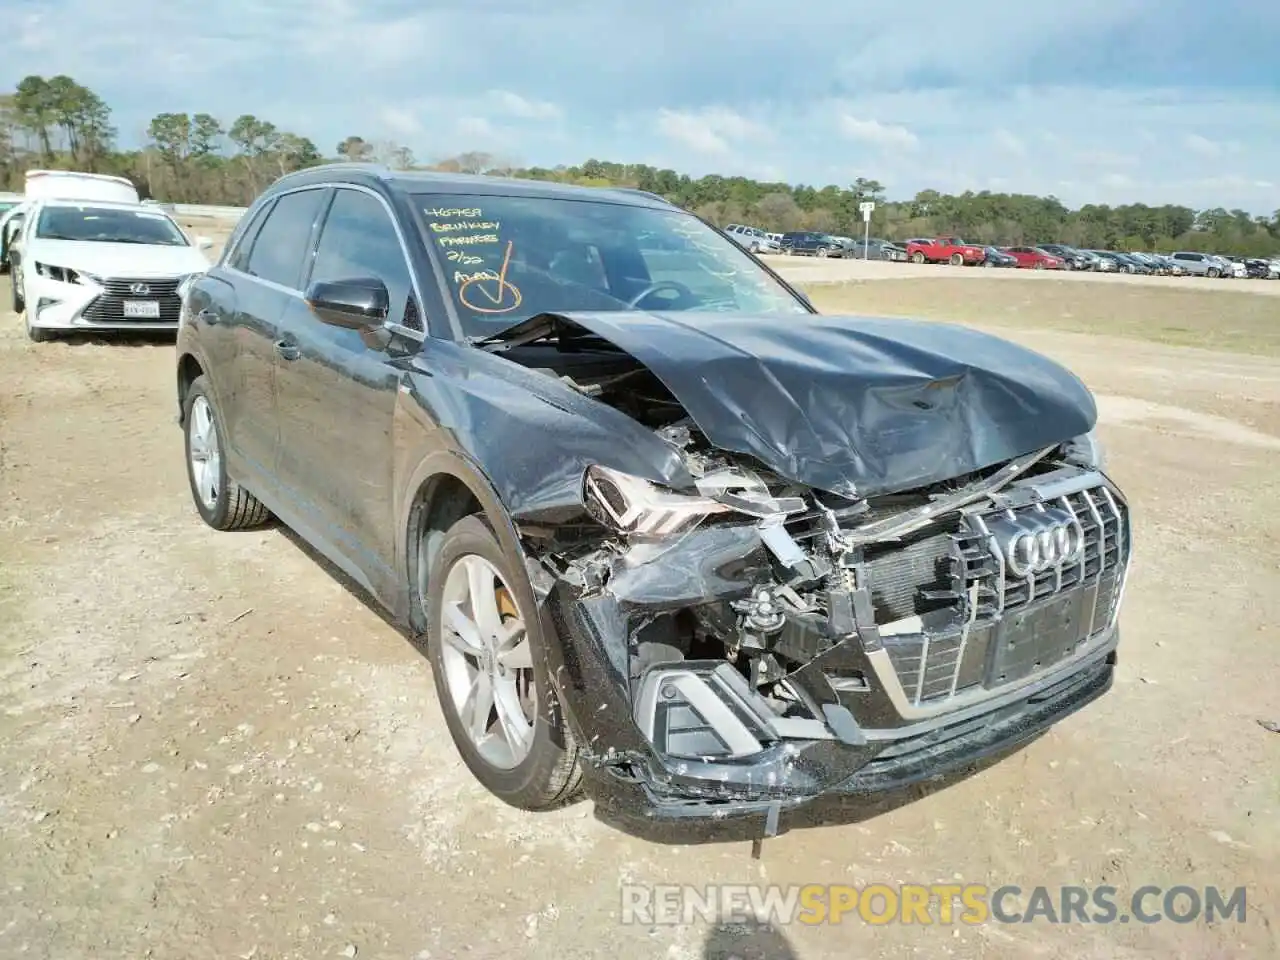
(854, 405)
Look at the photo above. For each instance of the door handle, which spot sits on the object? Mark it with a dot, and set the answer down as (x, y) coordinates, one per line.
(287, 350)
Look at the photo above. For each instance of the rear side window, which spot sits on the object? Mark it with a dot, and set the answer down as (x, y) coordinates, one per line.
(239, 256)
(282, 242)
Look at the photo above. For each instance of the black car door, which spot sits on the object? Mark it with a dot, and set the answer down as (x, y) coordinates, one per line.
(266, 276)
(337, 395)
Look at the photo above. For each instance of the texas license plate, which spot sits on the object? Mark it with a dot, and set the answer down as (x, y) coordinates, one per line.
(142, 309)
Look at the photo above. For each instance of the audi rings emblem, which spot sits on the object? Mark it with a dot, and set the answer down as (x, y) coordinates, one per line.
(139, 289)
(1036, 542)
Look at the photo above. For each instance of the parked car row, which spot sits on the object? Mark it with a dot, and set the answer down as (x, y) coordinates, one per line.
(1061, 256)
(1044, 256)
(813, 243)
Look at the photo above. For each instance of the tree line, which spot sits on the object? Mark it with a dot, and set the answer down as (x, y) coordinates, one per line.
(58, 123)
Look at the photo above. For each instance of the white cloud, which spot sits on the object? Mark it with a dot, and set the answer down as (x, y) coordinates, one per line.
(400, 121)
(1202, 145)
(876, 133)
(33, 34)
(513, 104)
(1007, 142)
(711, 131)
(1105, 158)
(479, 128)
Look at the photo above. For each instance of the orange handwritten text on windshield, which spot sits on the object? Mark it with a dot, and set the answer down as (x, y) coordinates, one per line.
(468, 213)
(487, 292)
(470, 241)
(455, 226)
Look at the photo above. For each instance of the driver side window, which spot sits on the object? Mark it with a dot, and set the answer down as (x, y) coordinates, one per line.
(359, 241)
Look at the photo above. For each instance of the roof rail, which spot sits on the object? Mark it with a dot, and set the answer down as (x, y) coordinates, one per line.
(644, 193)
(354, 166)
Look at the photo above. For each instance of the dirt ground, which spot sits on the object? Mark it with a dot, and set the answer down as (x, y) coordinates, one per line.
(213, 749)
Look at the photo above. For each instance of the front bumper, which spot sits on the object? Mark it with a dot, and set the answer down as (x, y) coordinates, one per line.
(625, 793)
(102, 304)
(877, 706)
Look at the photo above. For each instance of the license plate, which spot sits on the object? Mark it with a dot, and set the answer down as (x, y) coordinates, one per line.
(142, 309)
(1039, 635)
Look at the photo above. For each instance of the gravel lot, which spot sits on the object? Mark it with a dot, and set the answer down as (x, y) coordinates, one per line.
(212, 748)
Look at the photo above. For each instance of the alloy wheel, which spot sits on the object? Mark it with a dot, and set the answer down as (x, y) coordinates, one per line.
(204, 452)
(488, 663)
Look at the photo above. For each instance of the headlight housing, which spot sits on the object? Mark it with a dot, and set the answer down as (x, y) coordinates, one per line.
(65, 274)
(633, 505)
(1085, 450)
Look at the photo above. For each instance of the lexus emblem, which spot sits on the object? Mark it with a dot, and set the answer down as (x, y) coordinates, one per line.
(139, 289)
(1037, 542)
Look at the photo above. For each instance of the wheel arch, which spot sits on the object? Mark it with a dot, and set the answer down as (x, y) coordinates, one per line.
(443, 489)
(189, 368)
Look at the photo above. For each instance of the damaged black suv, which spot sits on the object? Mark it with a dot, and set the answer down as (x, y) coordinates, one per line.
(668, 534)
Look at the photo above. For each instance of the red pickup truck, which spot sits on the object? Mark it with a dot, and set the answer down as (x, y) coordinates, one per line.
(950, 250)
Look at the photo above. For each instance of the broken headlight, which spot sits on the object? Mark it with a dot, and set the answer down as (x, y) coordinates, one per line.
(1085, 451)
(632, 504)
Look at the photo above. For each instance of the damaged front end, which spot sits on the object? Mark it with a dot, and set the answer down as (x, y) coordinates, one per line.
(755, 644)
(884, 560)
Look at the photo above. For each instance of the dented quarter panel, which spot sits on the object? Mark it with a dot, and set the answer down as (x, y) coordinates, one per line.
(855, 405)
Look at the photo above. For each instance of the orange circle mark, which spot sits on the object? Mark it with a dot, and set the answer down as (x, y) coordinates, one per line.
(495, 304)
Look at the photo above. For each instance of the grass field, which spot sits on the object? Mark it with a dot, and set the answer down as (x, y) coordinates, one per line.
(1177, 314)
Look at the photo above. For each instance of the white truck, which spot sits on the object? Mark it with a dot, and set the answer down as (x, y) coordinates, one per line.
(60, 185)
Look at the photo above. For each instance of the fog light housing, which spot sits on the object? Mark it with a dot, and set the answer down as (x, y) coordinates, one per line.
(689, 711)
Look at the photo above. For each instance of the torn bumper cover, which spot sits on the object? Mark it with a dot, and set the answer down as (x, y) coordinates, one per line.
(720, 674)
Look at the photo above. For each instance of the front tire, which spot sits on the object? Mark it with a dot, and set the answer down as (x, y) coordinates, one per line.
(485, 644)
(917, 257)
(1213, 273)
(222, 503)
(957, 260)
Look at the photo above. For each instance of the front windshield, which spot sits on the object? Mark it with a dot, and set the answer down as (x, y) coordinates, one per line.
(510, 258)
(108, 225)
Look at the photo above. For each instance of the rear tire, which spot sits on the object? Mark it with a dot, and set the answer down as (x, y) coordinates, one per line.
(221, 502)
(518, 759)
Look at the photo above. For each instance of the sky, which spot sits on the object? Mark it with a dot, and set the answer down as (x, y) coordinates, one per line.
(1093, 101)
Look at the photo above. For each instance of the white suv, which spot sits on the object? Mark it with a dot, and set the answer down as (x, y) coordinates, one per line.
(752, 238)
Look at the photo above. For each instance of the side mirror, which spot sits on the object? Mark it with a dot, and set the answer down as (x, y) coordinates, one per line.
(203, 243)
(356, 304)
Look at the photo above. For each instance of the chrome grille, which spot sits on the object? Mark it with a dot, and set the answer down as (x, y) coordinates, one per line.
(109, 306)
(992, 611)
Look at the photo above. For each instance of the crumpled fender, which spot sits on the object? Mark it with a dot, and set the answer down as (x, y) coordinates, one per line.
(532, 436)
